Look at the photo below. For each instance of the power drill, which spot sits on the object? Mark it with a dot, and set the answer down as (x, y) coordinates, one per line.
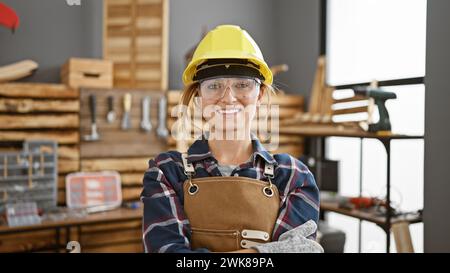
(380, 97)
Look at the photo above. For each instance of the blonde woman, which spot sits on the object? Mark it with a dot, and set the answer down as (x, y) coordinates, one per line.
(228, 193)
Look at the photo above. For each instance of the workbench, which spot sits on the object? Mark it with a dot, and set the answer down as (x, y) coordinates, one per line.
(122, 227)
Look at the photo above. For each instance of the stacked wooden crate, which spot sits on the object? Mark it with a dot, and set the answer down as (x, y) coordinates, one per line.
(136, 39)
(79, 72)
(288, 106)
(44, 112)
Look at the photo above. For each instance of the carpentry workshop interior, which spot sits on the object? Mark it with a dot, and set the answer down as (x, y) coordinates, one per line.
(89, 91)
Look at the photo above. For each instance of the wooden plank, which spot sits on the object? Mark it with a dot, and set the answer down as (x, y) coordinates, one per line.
(132, 179)
(350, 99)
(327, 101)
(317, 88)
(165, 45)
(17, 70)
(88, 239)
(152, 85)
(325, 130)
(354, 110)
(37, 90)
(149, 23)
(67, 166)
(61, 182)
(62, 137)
(20, 242)
(61, 197)
(117, 248)
(68, 152)
(120, 165)
(143, 146)
(131, 193)
(43, 121)
(294, 150)
(134, 224)
(30, 105)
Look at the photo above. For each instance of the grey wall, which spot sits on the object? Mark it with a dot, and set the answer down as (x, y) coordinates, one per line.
(51, 32)
(297, 36)
(437, 131)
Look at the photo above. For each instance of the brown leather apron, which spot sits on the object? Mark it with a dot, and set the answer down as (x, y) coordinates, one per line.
(230, 213)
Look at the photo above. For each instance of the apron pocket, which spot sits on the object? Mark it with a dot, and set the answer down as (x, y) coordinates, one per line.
(215, 240)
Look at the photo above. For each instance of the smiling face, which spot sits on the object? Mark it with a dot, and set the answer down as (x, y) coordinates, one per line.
(229, 104)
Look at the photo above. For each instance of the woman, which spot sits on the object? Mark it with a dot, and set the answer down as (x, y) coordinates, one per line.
(228, 194)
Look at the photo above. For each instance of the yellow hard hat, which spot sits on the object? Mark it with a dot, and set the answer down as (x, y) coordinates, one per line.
(231, 44)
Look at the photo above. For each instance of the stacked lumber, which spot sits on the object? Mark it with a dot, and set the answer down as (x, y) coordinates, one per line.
(288, 106)
(124, 151)
(136, 40)
(328, 106)
(43, 112)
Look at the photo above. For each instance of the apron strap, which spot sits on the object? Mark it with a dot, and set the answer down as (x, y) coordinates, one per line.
(188, 167)
(269, 173)
(268, 170)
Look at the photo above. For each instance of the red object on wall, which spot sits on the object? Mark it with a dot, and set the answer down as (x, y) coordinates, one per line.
(8, 17)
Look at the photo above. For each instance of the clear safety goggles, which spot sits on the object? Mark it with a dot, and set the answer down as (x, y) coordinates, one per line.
(241, 88)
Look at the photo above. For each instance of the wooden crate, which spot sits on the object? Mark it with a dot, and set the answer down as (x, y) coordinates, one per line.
(126, 152)
(136, 40)
(289, 105)
(95, 73)
(42, 111)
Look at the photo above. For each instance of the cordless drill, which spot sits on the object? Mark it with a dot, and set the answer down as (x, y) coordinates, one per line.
(380, 97)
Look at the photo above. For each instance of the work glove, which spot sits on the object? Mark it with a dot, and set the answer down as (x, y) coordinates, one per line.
(294, 241)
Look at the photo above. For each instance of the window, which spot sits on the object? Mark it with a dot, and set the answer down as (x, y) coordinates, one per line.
(381, 40)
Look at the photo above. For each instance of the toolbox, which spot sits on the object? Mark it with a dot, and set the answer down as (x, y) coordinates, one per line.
(94, 73)
(29, 175)
(89, 189)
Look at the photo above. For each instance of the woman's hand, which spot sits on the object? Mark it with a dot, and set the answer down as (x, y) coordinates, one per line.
(294, 241)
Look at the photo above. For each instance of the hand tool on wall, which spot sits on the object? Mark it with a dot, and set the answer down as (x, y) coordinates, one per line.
(111, 116)
(126, 122)
(94, 136)
(146, 123)
(162, 131)
(380, 97)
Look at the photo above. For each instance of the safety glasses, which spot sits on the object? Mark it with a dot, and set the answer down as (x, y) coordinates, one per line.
(241, 88)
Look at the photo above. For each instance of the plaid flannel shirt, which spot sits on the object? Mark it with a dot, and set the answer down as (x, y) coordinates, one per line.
(165, 225)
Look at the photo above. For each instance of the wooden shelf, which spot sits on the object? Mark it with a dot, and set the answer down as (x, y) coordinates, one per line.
(323, 130)
(118, 215)
(369, 215)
